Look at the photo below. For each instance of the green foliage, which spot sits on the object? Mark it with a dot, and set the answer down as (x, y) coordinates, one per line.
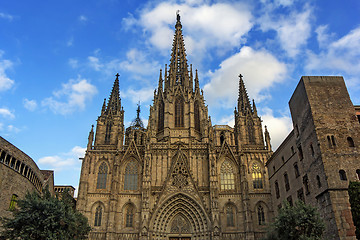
(45, 218)
(354, 194)
(300, 222)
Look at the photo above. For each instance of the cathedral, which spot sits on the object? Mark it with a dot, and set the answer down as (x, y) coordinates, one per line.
(180, 177)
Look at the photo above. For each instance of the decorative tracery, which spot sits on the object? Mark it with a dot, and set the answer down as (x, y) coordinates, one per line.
(102, 175)
(256, 176)
(129, 221)
(180, 225)
(161, 116)
(227, 176)
(179, 112)
(131, 176)
(197, 116)
(261, 215)
(180, 173)
(98, 216)
(230, 216)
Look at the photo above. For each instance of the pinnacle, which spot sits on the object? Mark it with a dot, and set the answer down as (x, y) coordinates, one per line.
(114, 103)
(243, 100)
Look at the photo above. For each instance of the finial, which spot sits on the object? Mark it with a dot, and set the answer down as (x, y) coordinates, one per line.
(138, 110)
(178, 15)
(117, 75)
(240, 76)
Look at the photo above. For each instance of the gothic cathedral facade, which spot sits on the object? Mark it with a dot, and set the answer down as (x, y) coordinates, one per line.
(180, 177)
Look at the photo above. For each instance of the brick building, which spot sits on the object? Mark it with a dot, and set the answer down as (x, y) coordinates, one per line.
(321, 155)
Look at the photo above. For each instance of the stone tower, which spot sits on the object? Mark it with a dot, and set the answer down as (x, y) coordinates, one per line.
(181, 177)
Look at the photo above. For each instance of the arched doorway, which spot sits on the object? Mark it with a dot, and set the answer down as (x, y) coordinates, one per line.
(180, 228)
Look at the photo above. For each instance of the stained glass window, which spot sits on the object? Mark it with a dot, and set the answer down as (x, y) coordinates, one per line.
(230, 216)
(98, 215)
(129, 216)
(256, 176)
(131, 176)
(227, 176)
(102, 174)
(261, 215)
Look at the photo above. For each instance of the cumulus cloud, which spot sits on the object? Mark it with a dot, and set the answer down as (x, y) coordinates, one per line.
(341, 55)
(74, 63)
(73, 96)
(5, 82)
(259, 68)
(278, 126)
(293, 30)
(201, 21)
(6, 113)
(63, 160)
(30, 105)
(142, 95)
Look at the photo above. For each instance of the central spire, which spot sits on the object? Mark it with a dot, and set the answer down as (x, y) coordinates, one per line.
(114, 103)
(243, 100)
(178, 73)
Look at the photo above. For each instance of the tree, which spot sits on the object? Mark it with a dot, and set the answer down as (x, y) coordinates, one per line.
(298, 222)
(354, 194)
(45, 218)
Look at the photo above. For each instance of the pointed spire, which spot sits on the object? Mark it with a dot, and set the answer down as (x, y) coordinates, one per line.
(243, 100)
(137, 121)
(160, 87)
(191, 79)
(196, 80)
(254, 108)
(91, 138)
(103, 109)
(267, 139)
(114, 104)
(178, 72)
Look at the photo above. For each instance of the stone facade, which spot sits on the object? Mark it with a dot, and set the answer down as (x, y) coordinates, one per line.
(19, 174)
(181, 177)
(321, 155)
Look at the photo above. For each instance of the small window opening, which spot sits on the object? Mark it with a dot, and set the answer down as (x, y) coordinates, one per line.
(342, 174)
(318, 181)
(296, 169)
(312, 150)
(358, 174)
(350, 142)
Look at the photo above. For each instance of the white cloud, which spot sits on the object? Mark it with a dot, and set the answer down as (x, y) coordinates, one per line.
(73, 96)
(6, 16)
(5, 82)
(293, 30)
(74, 63)
(259, 68)
(63, 160)
(201, 21)
(94, 63)
(12, 128)
(70, 42)
(142, 95)
(6, 113)
(30, 105)
(278, 126)
(338, 56)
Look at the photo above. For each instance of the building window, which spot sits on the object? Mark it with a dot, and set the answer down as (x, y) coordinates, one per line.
(230, 216)
(300, 195)
(342, 174)
(312, 150)
(261, 215)
(277, 190)
(289, 199)
(13, 202)
(227, 176)
(102, 175)
(350, 142)
(197, 116)
(161, 116)
(98, 216)
(286, 180)
(331, 141)
(292, 150)
(179, 112)
(300, 152)
(257, 176)
(358, 174)
(296, 170)
(129, 222)
(282, 159)
(318, 181)
(306, 184)
(131, 176)
(222, 138)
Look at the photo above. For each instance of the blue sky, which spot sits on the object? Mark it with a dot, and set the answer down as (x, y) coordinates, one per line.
(58, 61)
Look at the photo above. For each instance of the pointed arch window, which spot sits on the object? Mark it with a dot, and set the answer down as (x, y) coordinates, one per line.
(350, 142)
(131, 176)
(161, 116)
(257, 176)
(230, 216)
(250, 127)
(261, 215)
(102, 175)
(227, 176)
(129, 221)
(179, 112)
(108, 133)
(197, 116)
(98, 216)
